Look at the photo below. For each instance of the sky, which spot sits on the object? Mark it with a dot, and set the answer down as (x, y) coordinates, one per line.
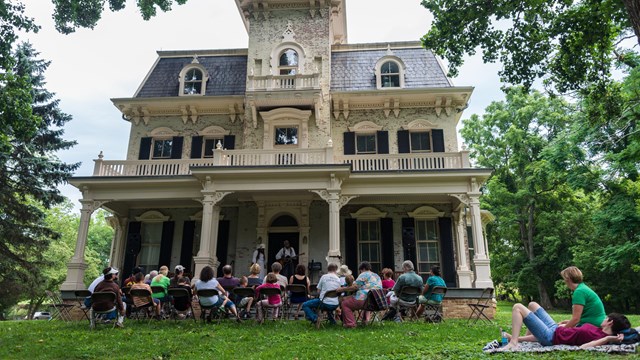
(89, 67)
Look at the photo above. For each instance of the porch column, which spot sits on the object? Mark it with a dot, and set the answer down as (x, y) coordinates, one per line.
(76, 266)
(481, 261)
(116, 256)
(209, 233)
(465, 275)
(336, 202)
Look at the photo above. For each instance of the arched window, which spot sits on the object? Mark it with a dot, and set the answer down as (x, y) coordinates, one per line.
(193, 82)
(390, 74)
(288, 64)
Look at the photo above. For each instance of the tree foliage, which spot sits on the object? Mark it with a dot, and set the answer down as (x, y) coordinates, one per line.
(569, 43)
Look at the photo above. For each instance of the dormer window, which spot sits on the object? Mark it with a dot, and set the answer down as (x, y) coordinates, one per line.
(288, 64)
(390, 71)
(193, 82)
(193, 79)
(390, 75)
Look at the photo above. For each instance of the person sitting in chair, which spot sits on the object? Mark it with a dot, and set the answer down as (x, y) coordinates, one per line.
(367, 280)
(328, 282)
(427, 297)
(110, 285)
(287, 256)
(208, 281)
(396, 299)
(276, 268)
(137, 301)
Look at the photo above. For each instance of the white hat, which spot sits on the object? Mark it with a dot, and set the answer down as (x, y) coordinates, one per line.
(260, 246)
(179, 268)
(344, 270)
(112, 271)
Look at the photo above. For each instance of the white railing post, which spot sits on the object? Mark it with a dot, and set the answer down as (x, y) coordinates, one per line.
(464, 155)
(97, 166)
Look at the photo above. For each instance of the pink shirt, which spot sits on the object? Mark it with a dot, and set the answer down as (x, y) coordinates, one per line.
(577, 335)
(273, 299)
(388, 283)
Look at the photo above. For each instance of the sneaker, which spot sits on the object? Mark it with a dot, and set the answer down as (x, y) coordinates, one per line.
(119, 325)
(491, 345)
(397, 319)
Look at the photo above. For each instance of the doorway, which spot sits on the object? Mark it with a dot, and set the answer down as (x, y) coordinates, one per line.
(276, 242)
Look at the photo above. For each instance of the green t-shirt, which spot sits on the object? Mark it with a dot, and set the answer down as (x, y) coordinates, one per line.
(593, 311)
(164, 282)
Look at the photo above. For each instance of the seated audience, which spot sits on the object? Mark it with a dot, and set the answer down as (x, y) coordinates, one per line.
(342, 273)
(163, 281)
(427, 297)
(179, 272)
(254, 277)
(328, 282)
(245, 302)
(271, 281)
(228, 281)
(138, 302)
(547, 332)
(367, 280)
(387, 279)
(397, 299)
(109, 284)
(299, 278)
(208, 281)
(276, 267)
(181, 304)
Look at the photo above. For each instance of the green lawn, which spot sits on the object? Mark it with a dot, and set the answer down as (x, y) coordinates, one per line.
(279, 340)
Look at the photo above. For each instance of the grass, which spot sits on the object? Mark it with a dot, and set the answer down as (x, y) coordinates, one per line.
(453, 339)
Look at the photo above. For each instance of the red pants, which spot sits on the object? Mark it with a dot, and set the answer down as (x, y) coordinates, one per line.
(349, 304)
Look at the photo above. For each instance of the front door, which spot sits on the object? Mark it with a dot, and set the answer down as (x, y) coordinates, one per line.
(276, 242)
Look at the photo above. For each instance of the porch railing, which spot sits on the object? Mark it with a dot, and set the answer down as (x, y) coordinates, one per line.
(359, 163)
(283, 82)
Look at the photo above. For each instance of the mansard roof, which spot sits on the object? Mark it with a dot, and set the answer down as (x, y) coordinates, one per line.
(352, 66)
(227, 73)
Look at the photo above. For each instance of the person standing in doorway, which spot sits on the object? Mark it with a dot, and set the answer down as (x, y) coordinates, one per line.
(259, 258)
(286, 257)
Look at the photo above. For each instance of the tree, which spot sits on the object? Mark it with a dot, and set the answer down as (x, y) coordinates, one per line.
(29, 169)
(568, 43)
(537, 214)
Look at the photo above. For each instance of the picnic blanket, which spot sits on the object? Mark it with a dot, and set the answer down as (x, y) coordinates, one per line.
(535, 347)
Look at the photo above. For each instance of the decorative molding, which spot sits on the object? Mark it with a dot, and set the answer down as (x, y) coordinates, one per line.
(152, 216)
(365, 126)
(163, 131)
(425, 213)
(419, 124)
(464, 198)
(344, 200)
(289, 34)
(213, 131)
(368, 213)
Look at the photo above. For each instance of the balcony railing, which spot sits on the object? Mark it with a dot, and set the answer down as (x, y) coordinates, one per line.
(359, 163)
(283, 82)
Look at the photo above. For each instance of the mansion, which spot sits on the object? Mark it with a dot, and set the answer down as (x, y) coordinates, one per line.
(348, 151)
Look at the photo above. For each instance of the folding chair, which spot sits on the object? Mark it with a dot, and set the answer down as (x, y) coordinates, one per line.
(165, 305)
(433, 311)
(209, 312)
(97, 297)
(143, 297)
(375, 302)
(244, 292)
(323, 309)
(61, 310)
(182, 295)
(478, 308)
(410, 306)
(81, 296)
(266, 292)
(296, 291)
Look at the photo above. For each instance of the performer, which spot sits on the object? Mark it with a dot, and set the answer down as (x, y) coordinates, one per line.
(286, 257)
(259, 258)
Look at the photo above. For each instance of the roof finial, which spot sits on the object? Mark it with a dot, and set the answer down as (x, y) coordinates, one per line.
(195, 59)
(389, 52)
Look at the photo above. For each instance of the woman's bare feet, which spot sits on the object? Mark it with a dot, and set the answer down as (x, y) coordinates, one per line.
(508, 347)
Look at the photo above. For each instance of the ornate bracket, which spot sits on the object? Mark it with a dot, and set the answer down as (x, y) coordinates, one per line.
(214, 197)
(464, 198)
(329, 196)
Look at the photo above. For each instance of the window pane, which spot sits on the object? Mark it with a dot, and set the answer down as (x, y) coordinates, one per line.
(420, 141)
(366, 144)
(432, 232)
(390, 80)
(191, 88)
(421, 231)
(390, 67)
(433, 252)
(373, 231)
(286, 136)
(193, 75)
(210, 146)
(423, 253)
(289, 58)
(162, 148)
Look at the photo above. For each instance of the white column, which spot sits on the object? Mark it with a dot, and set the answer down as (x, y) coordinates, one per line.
(116, 257)
(465, 275)
(76, 266)
(209, 233)
(481, 261)
(334, 228)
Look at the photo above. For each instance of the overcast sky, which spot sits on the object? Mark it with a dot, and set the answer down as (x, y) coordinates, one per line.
(90, 67)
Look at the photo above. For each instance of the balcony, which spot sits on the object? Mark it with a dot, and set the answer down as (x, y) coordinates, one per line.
(280, 158)
(283, 82)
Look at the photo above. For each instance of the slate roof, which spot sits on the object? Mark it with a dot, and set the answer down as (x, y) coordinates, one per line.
(227, 76)
(354, 70)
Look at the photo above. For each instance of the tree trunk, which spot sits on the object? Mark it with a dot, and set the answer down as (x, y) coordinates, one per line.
(545, 301)
(633, 10)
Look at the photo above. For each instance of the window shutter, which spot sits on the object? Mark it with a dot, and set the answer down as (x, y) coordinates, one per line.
(351, 244)
(134, 243)
(145, 149)
(229, 142)
(409, 240)
(386, 232)
(166, 243)
(196, 151)
(403, 142)
(349, 143)
(437, 136)
(186, 249)
(176, 147)
(448, 260)
(382, 142)
(223, 245)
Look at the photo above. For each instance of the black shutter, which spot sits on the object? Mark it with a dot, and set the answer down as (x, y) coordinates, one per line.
(403, 142)
(349, 143)
(223, 245)
(386, 232)
(437, 135)
(351, 244)
(229, 142)
(448, 261)
(196, 150)
(166, 243)
(133, 246)
(383, 142)
(409, 240)
(186, 250)
(176, 147)
(145, 148)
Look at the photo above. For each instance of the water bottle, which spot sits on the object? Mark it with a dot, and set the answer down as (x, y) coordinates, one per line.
(503, 338)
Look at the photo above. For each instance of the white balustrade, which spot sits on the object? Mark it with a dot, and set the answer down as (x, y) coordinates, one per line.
(283, 82)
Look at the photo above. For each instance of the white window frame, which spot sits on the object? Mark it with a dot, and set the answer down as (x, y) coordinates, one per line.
(401, 71)
(153, 147)
(375, 141)
(420, 132)
(275, 130)
(289, 68)
(277, 51)
(150, 218)
(285, 118)
(205, 78)
(427, 214)
(368, 215)
(161, 134)
(212, 133)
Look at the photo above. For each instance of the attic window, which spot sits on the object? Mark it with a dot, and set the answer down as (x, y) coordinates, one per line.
(390, 71)
(288, 62)
(193, 80)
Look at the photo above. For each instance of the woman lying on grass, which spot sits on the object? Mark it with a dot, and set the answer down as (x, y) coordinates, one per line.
(544, 330)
